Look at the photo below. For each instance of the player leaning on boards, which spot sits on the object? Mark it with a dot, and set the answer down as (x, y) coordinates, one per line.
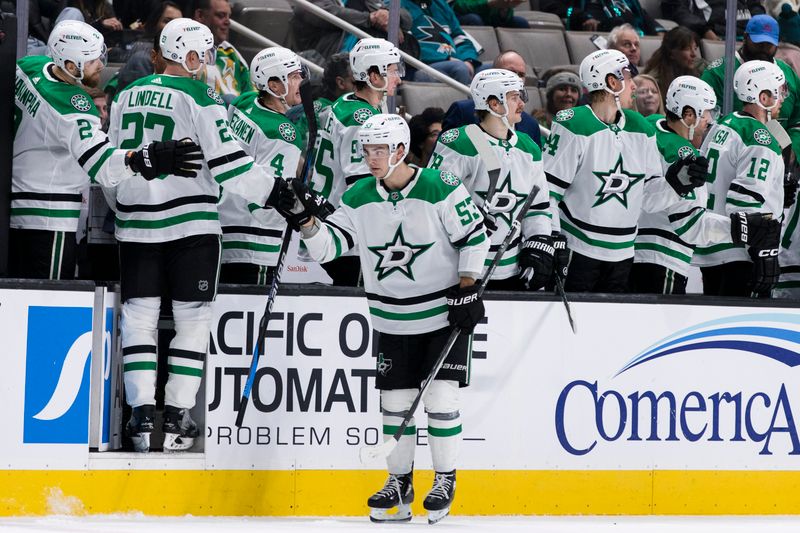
(501, 179)
(422, 244)
(57, 142)
(746, 174)
(377, 70)
(169, 229)
(251, 242)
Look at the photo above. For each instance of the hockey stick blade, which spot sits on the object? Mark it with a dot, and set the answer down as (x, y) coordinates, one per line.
(372, 454)
(563, 294)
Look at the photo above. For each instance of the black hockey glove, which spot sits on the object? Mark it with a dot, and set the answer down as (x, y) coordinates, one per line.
(163, 158)
(759, 231)
(789, 190)
(465, 307)
(766, 271)
(561, 257)
(687, 173)
(305, 205)
(281, 196)
(536, 261)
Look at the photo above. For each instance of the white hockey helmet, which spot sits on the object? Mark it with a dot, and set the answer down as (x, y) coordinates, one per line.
(275, 62)
(497, 83)
(753, 77)
(390, 130)
(379, 53)
(596, 67)
(181, 36)
(77, 42)
(691, 92)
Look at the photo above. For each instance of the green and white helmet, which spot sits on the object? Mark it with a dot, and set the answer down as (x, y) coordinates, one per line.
(275, 62)
(753, 77)
(181, 36)
(390, 130)
(77, 42)
(373, 52)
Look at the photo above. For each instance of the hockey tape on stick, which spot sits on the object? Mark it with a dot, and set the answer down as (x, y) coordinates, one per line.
(308, 109)
(563, 294)
(779, 133)
(371, 454)
(489, 158)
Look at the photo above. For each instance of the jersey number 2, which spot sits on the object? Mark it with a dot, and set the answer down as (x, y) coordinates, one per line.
(148, 121)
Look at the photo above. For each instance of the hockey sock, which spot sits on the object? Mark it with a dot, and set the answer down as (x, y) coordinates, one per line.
(444, 424)
(139, 349)
(394, 406)
(187, 352)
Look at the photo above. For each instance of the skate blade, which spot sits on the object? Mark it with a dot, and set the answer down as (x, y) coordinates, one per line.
(403, 514)
(141, 442)
(436, 516)
(173, 442)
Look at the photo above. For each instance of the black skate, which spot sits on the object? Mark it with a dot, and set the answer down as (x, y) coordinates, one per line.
(179, 429)
(140, 426)
(439, 499)
(398, 492)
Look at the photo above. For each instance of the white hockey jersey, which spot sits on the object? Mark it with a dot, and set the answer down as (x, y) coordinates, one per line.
(597, 175)
(520, 170)
(58, 148)
(161, 107)
(412, 243)
(272, 141)
(789, 284)
(746, 174)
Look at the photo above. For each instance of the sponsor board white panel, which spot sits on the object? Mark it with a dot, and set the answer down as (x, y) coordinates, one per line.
(541, 397)
(47, 337)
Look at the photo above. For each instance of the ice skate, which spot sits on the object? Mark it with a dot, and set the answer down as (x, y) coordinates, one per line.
(179, 429)
(140, 426)
(398, 493)
(439, 499)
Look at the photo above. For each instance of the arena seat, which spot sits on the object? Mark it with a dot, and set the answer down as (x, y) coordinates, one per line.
(712, 50)
(419, 95)
(648, 47)
(541, 48)
(541, 20)
(667, 23)
(534, 99)
(270, 21)
(653, 7)
(579, 45)
(487, 38)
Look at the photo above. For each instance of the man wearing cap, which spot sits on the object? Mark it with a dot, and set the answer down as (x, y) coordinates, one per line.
(563, 92)
(761, 43)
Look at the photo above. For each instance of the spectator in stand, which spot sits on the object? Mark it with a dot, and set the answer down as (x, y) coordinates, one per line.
(307, 31)
(143, 54)
(134, 13)
(38, 32)
(489, 13)
(230, 76)
(602, 15)
(443, 45)
(678, 55)
(563, 92)
(625, 39)
(648, 99)
(96, 13)
(425, 129)
(462, 112)
(101, 103)
(786, 13)
(707, 17)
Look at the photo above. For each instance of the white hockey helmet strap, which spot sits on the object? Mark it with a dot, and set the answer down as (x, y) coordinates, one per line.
(754, 77)
(597, 66)
(691, 92)
(378, 53)
(276, 62)
(390, 130)
(496, 83)
(76, 42)
(181, 36)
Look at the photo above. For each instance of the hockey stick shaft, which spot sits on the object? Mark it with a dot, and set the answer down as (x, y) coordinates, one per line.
(563, 293)
(311, 118)
(370, 453)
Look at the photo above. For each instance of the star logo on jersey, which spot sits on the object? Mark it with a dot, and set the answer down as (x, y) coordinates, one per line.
(505, 200)
(362, 115)
(80, 102)
(384, 365)
(450, 178)
(564, 115)
(35, 79)
(397, 256)
(287, 131)
(214, 96)
(615, 184)
(449, 136)
(762, 136)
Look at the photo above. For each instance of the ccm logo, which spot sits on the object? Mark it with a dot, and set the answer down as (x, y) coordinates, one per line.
(768, 253)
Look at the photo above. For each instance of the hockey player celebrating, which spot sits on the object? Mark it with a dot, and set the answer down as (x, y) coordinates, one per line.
(58, 141)
(746, 174)
(250, 244)
(169, 229)
(500, 167)
(377, 69)
(423, 245)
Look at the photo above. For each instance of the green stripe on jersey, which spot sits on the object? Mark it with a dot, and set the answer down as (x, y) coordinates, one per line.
(254, 246)
(663, 249)
(185, 370)
(233, 172)
(714, 249)
(44, 212)
(140, 365)
(417, 315)
(391, 430)
(444, 432)
(595, 242)
(166, 222)
(503, 262)
(103, 158)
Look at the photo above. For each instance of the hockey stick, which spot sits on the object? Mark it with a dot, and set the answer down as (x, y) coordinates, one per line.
(563, 293)
(370, 454)
(311, 118)
(488, 156)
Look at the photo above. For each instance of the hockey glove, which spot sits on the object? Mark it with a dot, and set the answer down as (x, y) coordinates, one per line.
(789, 190)
(561, 257)
(757, 230)
(687, 173)
(465, 307)
(163, 158)
(281, 196)
(305, 205)
(536, 261)
(766, 270)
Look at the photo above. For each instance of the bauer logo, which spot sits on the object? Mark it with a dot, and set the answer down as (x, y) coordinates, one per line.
(57, 375)
(710, 396)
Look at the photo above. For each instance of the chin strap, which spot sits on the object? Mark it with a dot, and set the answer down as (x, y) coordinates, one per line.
(392, 166)
(503, 117)
(690, 128)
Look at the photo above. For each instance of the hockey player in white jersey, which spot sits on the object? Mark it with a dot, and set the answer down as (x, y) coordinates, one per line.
(500, 167)
(422, 243)
(746, 174)
(169, 229)
(58, 141)
(251, 242)
(377, 69)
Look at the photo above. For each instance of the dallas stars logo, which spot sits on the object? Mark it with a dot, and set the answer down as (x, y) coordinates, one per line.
(287, 131)
(362, 115)
(762, 136)
(397, 256)
(685, 151)
(449, 136)
(615, 184)
(505, 200)
(80, 102)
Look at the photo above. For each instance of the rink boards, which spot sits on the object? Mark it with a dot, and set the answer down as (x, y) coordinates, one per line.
(656, 406)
